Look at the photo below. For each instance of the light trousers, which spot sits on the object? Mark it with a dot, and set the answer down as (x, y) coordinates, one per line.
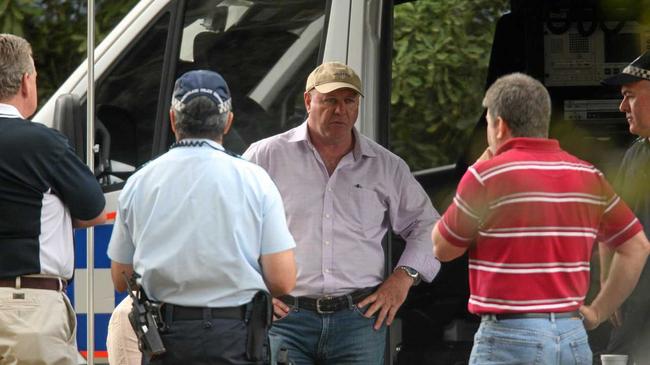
(122, 343)
(37, 327)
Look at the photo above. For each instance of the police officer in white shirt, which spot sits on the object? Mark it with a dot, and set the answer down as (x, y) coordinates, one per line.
(204, 230)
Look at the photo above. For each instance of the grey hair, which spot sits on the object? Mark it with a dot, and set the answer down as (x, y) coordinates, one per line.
(523, 102)
(200, 118)
(15, 61)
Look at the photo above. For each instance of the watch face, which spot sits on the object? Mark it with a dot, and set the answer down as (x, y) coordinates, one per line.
(410, 271)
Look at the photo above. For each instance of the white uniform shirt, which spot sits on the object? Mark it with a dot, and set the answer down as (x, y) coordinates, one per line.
(194, 223)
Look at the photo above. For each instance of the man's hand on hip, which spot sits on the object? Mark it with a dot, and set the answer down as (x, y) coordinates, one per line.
(591, 318)
(280, 309)
(388, 298)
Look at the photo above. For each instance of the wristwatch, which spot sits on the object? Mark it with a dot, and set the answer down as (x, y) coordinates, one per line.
(411, 272)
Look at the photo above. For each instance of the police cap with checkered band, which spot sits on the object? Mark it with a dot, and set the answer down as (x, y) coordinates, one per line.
(637, 70)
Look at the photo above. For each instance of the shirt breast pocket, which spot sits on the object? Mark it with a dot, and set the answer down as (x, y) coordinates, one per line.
(369, 209)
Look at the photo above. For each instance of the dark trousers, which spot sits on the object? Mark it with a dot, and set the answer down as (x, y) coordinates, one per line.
(201, 342)
(633, 337)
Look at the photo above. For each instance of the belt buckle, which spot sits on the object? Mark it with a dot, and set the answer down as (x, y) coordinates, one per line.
(318, 303)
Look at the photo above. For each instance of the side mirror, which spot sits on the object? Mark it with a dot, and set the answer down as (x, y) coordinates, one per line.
(69, 120)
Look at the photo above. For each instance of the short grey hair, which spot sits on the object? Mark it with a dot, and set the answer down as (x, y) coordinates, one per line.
(200, 118)
(523, 102)
(15, 61)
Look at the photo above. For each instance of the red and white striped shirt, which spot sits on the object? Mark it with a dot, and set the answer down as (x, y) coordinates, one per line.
(534, 212)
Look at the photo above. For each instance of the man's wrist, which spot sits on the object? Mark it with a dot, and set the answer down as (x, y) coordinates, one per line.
(411, 273)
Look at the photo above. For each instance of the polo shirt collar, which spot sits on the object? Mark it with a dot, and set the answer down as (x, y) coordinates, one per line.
(538, 144)
(361, 146)
(9, 111)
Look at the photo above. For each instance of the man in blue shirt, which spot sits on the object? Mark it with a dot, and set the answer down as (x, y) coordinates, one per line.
(204, 229)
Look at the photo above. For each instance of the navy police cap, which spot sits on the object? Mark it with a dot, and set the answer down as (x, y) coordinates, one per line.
(202, 83)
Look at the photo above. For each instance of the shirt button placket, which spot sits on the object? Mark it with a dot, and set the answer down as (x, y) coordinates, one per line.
(327, 227)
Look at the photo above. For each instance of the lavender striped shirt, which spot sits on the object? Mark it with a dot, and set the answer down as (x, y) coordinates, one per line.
(339, 221)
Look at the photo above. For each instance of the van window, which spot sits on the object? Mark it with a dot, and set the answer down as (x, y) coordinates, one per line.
(126, 102)
(264, 50)
(441, 51)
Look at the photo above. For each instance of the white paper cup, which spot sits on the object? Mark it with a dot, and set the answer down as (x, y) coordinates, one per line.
(612, 359)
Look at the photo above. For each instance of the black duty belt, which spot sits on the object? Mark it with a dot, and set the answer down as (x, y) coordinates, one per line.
(30, 282)
(181, 313)
(328, 304)
(549, 316)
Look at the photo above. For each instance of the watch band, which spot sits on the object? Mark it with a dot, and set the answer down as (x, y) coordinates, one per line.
(411, 272)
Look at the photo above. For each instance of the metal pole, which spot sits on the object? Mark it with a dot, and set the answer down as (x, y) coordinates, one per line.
(90, 161)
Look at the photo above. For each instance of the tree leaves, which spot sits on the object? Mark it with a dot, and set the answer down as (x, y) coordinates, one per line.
(440, 59)
(12, 14)
(57, 31)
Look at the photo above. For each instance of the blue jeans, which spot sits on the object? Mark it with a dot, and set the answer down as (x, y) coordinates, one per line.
(531, 341)
(345, 337)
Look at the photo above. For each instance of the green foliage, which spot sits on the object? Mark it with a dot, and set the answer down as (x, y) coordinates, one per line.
(440, 58)
(13, 13)
(57, 32)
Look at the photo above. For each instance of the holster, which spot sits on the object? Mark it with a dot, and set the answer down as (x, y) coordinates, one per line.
(146, 321)
(259, 317)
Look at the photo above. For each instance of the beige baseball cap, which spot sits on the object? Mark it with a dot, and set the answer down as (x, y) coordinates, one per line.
(331, 76)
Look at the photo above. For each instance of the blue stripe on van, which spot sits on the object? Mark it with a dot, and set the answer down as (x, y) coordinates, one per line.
(102, 237)
(101, 324)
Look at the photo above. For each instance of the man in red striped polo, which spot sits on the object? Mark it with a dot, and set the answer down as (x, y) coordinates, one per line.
(529, 214)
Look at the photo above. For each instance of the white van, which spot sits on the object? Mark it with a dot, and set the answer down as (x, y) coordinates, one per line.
(264, 49)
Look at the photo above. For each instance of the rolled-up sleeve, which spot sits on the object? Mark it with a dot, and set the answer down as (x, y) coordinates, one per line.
(412, 217)
(121, 247)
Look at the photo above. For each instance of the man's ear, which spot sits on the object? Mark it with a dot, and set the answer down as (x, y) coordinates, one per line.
(231, 118)
(503, 130)
(24, 85)
(308, 98)
(172, 120)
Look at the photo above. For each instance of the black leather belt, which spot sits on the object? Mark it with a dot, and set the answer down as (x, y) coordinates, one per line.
(29, 282)
(181, 313)
(549, 316)
(328, 304)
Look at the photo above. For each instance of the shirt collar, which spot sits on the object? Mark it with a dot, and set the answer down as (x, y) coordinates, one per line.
(361, 146)
(9, 111)
(539, 144)
(206, 140)
(300, 134)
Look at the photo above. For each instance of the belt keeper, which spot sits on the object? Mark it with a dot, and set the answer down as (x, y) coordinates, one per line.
(350, 301)
(17, 282)
(295, 304)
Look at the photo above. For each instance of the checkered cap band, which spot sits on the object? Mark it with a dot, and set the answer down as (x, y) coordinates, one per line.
(223, 105)
(637, 72)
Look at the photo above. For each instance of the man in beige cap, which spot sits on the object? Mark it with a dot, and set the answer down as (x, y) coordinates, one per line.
(342, 192)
